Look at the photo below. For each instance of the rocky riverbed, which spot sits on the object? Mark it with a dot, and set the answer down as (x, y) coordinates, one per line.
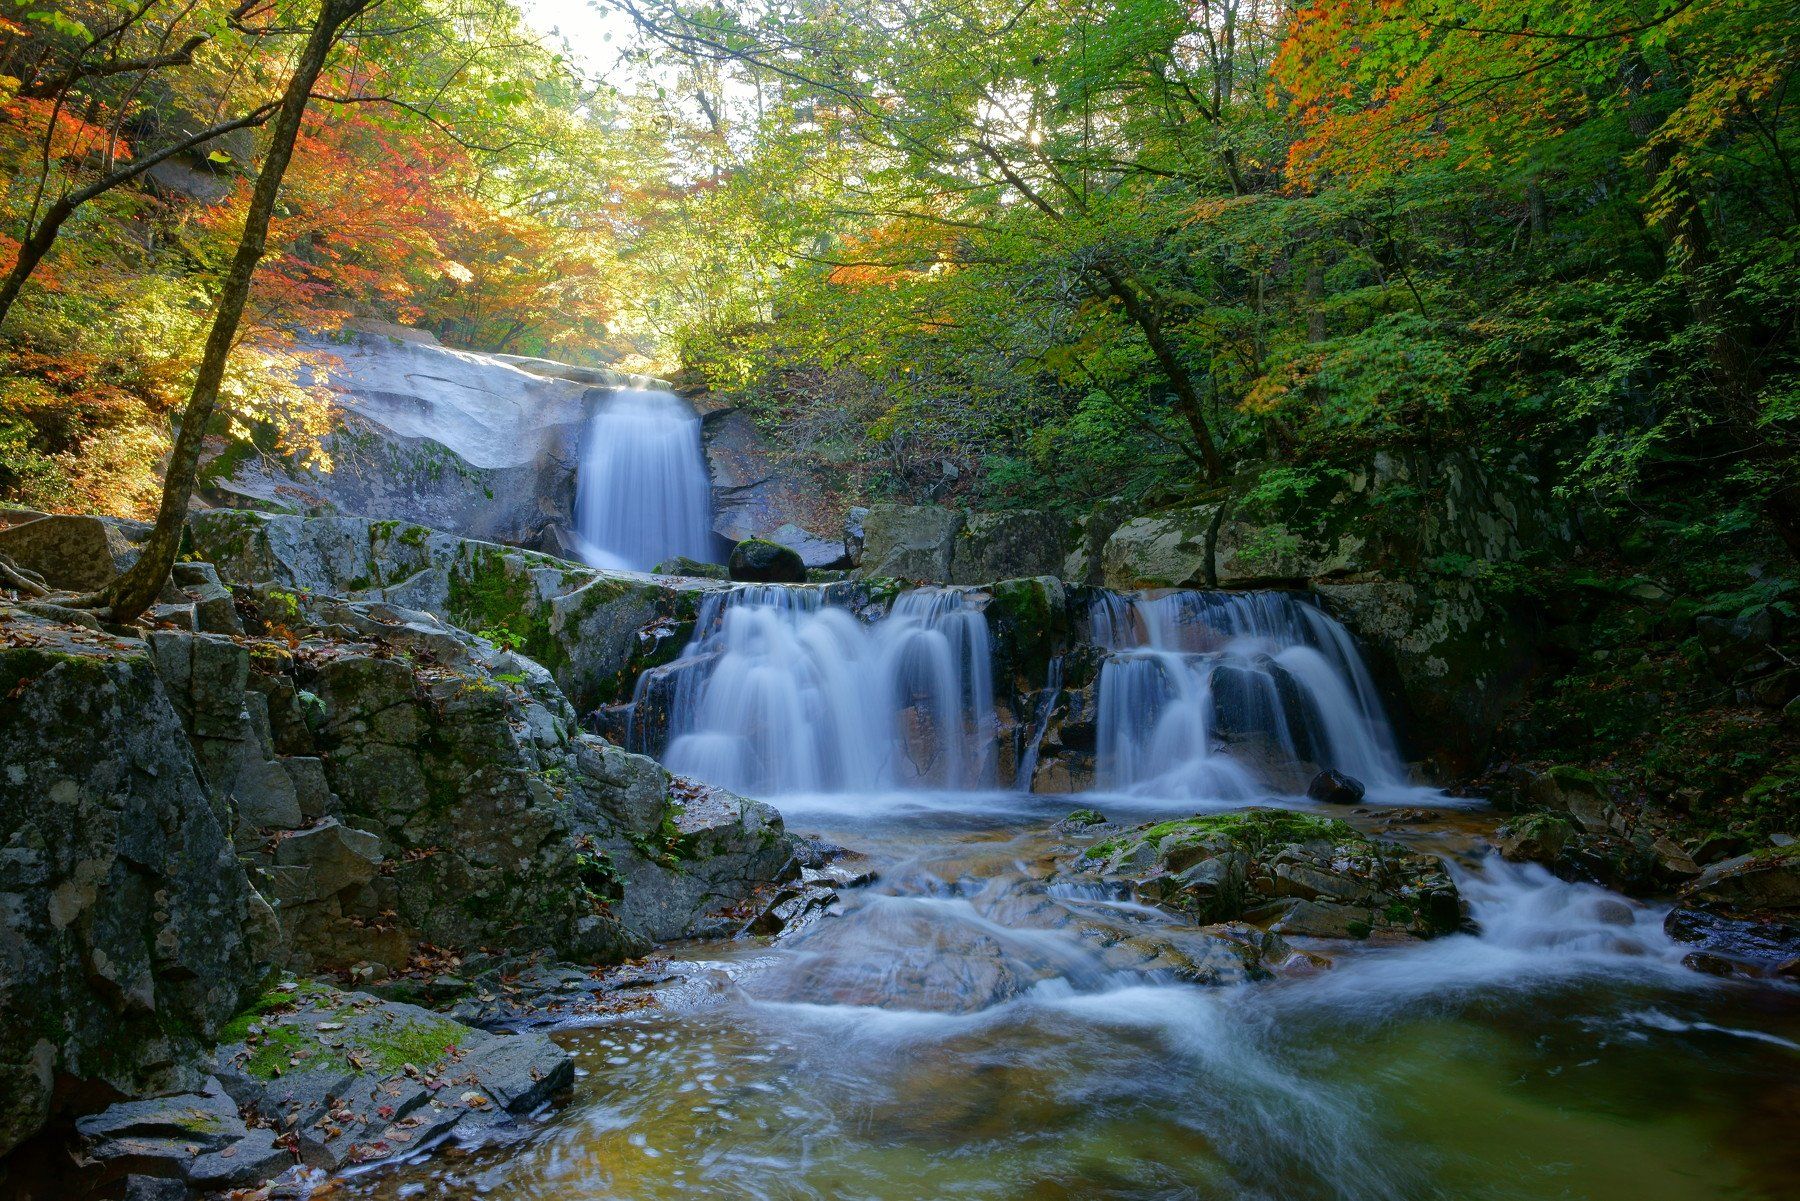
(322, 875)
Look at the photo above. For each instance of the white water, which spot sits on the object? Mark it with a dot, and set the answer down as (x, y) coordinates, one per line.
(642, 493)
(1220, 696)
(781, 692)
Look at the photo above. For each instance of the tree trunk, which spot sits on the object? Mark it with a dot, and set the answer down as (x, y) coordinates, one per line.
(136, 590)
(1142, 310)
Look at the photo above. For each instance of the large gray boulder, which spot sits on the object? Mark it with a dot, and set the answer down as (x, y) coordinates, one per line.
(128, 929)
(910, 542)
(938, 545)
(76, 552)
(1009, 545)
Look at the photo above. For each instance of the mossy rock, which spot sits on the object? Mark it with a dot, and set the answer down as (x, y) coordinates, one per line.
(757, 561)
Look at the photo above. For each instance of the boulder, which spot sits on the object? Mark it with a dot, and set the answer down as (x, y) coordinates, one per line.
(683, 566)
(1333, 787)
(1297, 873)
(356, 1080)
(334, 856)
(79, 553)
(757, 494)
(910, 542)
(1162, 550)
(196, 1139)
(756, 561)
(1009, 545)
(1732, 942)
(1764, 880)
(128, 928)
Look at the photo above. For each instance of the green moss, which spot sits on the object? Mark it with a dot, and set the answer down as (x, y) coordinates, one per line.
(487, 594)
(271, 1001)
(1252, 828)
(420, 1043)
(280, 1045)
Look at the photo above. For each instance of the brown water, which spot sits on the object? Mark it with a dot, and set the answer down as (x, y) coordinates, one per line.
(960, 1031)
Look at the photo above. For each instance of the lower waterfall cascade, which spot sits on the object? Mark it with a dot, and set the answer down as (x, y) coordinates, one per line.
(1193, 678)
(1211, 696)
(783, 691)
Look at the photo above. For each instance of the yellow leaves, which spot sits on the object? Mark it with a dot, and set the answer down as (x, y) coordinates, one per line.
(286, 389)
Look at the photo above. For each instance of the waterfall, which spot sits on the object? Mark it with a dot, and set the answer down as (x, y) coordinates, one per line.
(642, 493)
(782, 691)
(1228, 695)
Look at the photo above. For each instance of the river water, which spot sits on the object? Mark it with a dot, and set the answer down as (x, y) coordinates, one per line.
(961, 1029)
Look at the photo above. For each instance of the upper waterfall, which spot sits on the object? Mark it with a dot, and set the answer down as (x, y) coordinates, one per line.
(642, 494)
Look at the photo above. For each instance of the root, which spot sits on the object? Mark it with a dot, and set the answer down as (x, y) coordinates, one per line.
(22, 580)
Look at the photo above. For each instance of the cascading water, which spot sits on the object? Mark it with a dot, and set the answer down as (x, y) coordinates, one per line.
(783, 692)
(642, 494)
(1222, 696)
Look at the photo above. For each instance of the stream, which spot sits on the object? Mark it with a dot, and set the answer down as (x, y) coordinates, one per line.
(951, 1034)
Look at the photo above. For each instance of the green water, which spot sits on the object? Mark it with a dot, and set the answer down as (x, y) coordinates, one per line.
(918, 1046)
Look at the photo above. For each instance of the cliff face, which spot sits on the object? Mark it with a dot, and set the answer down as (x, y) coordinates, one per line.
(130, 930)
(275, 777)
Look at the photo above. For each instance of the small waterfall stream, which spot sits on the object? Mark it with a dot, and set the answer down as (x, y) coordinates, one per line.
(1226, 696)
(642, 494)
(782, 691)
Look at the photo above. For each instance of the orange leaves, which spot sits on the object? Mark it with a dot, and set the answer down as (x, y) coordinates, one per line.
(70, 137)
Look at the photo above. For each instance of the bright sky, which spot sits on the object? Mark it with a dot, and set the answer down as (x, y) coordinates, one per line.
(594, 30)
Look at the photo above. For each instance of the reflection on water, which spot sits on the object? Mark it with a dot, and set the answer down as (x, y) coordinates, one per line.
(964, 1031)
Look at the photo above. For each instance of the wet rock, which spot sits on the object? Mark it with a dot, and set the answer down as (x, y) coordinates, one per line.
(840, 875)
(795, 908)
(757, 561)
(1304, 873)
(192, 1141)
(1738, 943)
(1335, 788)
(1324, 919)
(1079, 821)
(692, 568)
(352, 1079)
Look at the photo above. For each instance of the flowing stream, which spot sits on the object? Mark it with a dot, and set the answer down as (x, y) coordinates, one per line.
(642, 493)
(970, 1027)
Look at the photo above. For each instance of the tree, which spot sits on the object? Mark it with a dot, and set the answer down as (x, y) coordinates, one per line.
(136, 589)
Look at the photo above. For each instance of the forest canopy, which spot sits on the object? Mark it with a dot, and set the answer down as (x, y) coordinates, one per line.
(1028, 252)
